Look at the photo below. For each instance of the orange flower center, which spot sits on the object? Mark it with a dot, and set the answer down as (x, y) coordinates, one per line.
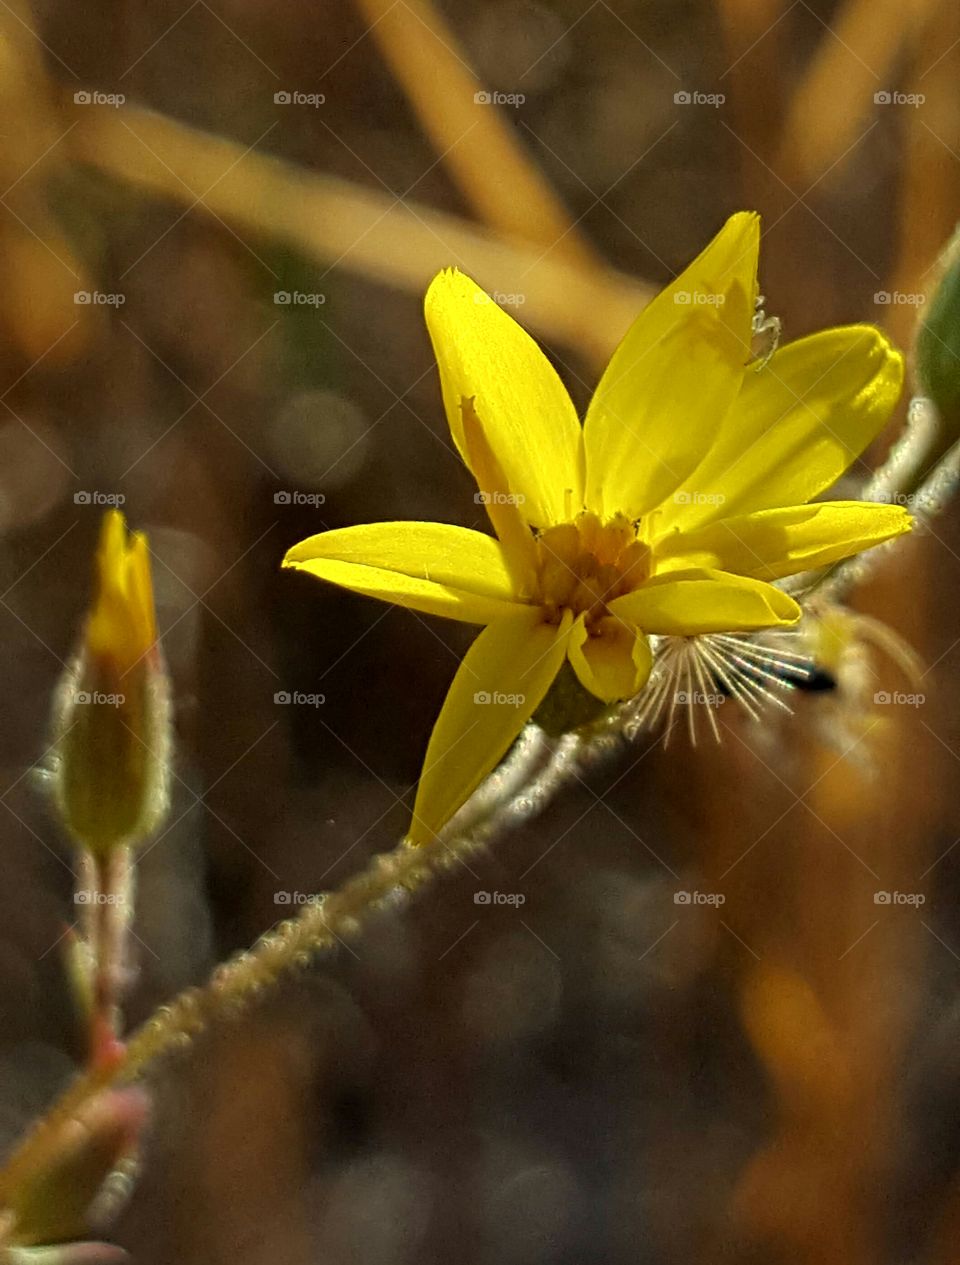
(583, 565)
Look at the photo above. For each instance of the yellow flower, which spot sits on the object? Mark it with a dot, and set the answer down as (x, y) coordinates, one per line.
(112, 712)
(670, 511)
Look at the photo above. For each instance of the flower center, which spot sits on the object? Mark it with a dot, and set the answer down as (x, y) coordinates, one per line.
(583, 565)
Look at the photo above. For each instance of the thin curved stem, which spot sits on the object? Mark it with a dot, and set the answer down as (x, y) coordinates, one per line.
(527, 780)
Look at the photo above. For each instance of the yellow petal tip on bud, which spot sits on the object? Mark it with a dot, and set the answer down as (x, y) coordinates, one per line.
(121, 626)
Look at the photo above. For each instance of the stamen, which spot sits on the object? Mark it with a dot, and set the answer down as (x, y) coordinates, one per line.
(584, 564)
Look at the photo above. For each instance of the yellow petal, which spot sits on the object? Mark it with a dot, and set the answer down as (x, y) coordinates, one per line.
(432, 567)
(685, 603)
(673, 378)
(795, 428)
(503, 511)
(776, 543)
(613, 661)
(528, 417)
(501, 682)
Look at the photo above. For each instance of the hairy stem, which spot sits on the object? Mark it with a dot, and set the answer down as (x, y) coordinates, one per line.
(523, 785)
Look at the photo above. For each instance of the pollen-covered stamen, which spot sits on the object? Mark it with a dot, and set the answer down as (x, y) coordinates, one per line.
(583, 565)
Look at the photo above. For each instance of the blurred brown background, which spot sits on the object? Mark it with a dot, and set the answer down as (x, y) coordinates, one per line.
(600, 1074)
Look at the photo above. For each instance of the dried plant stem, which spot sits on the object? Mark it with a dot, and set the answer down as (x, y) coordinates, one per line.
(856, 57)
(422, 52)
(929, 190)
(396, 242)
(24, 92)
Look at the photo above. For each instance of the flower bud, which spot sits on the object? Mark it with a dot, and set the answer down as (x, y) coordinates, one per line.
(78, 1185)
(938, 342)
(112, 714)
